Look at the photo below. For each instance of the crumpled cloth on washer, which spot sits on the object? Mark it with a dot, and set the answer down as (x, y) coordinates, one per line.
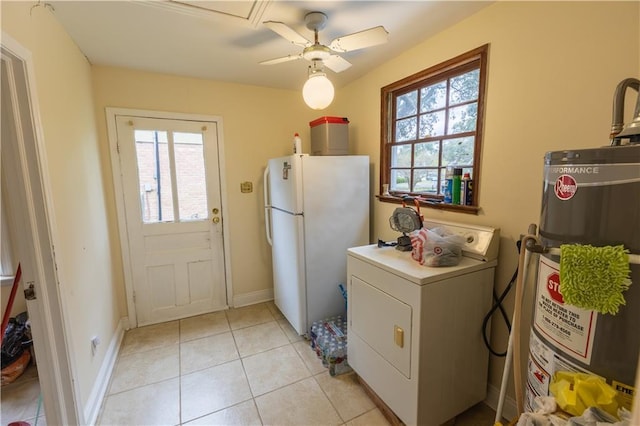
(545, 407)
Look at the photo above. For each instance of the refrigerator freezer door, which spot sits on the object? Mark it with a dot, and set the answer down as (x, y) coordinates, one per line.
(288, 268)
(336, 217)
(285, 187)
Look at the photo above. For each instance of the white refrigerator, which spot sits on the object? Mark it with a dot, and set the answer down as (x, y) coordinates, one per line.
(316, 207)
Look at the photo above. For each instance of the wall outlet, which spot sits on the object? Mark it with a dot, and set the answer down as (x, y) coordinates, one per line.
(246, 187)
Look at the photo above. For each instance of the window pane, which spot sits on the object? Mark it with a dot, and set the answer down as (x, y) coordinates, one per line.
(190, 176)
(154, 176)
(464, 87)
(458, 152)
(443, 180)
(426, 154)
(462, 119)
(432, 124)
(433, 97)
(406, 104)
(406, 129)
(399, 180)
(425, 180)
(401, 156)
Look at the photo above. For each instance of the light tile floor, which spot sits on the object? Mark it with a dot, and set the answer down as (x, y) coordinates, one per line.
(243, 366)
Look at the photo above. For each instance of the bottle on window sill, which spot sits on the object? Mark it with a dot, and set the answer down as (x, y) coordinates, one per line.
(466, 190)
(455, 190)
(448, 189)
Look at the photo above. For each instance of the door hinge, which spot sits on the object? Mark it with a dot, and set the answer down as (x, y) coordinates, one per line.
(134, 296)
(30, 292)
(118, 147)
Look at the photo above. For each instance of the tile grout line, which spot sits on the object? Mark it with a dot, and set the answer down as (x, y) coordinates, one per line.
(253, 398)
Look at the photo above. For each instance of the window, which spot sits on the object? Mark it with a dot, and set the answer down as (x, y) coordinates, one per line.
(156, 151)
(431, 122)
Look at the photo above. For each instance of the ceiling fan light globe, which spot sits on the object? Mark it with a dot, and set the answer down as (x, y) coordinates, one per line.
(318, 91)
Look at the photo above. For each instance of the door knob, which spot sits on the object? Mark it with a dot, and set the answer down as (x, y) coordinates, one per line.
(216, 219)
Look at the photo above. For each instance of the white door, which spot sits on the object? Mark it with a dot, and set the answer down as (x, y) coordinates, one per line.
(23, 161)
(171, 189)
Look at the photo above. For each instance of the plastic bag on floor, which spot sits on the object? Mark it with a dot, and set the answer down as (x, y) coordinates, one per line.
(594, 416)
(14, 370)
(16, 339)
(543, 409)
(576, 392)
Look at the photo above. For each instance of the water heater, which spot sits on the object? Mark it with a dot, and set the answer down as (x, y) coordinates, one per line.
(590, 196)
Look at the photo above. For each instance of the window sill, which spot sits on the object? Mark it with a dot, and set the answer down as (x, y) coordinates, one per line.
(432, 204)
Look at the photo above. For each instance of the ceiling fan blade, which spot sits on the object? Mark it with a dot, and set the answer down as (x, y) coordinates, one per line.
(360, 40)
(336, 63)
(281, 60)
(287, 33)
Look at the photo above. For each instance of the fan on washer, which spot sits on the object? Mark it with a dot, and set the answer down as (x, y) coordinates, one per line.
(314, 51)
(405, 219)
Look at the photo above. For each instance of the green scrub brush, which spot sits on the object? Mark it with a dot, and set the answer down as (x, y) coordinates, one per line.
(594, 277)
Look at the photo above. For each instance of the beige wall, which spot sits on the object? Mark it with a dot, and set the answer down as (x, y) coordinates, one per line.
(258, 124)
(76, 178)
(552, 71)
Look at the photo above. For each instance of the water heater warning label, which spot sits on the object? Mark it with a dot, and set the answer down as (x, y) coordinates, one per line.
(569, 327)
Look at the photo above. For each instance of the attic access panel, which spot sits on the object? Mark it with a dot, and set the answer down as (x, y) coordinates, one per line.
(249, 11)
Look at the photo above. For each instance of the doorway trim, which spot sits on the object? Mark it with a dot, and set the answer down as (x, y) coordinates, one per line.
(111, 114)
(57, 383)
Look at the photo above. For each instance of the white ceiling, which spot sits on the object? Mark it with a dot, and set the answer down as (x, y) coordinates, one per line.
(226, 40)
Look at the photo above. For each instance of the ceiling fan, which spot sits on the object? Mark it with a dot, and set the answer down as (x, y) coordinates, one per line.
(316, 52)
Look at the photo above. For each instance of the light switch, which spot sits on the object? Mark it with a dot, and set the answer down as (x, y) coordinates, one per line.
(246, 187)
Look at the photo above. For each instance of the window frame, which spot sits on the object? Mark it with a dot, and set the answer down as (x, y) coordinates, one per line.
(476, 58)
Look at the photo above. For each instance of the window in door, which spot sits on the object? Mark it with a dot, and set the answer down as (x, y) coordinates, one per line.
(171, 175)
(433, 121)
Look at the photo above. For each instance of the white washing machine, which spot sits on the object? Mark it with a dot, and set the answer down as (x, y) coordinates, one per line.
(415, 332)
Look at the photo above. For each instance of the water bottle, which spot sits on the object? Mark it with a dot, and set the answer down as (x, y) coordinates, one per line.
(297, 144)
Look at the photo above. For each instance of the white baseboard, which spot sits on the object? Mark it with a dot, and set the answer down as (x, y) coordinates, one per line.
(94, 403)
(509, 408)
(252, 298)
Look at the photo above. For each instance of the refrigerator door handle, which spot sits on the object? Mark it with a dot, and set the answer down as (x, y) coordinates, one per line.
(267, 206)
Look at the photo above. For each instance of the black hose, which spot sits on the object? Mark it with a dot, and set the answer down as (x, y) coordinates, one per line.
(498, 305)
